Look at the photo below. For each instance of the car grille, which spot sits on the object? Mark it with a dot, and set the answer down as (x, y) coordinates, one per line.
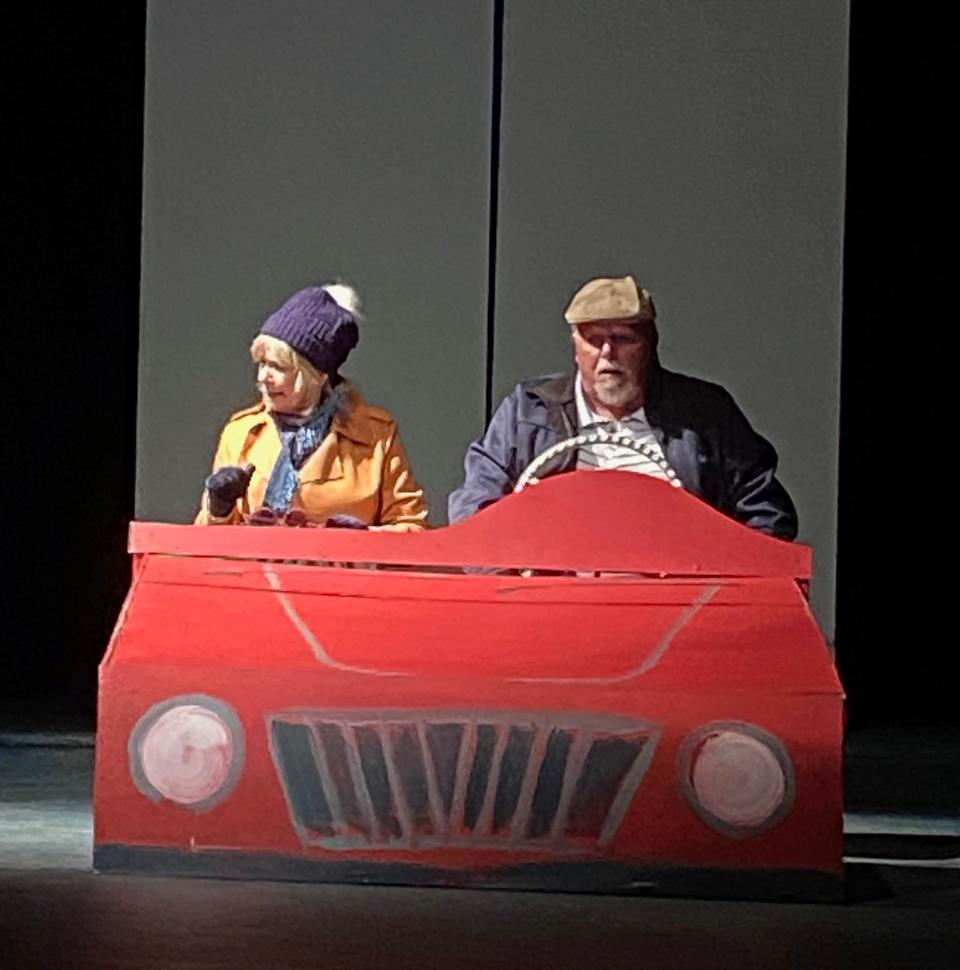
(424, 779)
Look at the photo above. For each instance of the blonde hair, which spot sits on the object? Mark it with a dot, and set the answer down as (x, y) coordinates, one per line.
(263, 346)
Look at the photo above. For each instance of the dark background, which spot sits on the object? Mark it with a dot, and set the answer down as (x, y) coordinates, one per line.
(74, 83)
(895, 541)
(74, 124)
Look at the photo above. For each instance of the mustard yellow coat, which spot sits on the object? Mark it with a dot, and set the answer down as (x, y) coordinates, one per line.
(360, 468)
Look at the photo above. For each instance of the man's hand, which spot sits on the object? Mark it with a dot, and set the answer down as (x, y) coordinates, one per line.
(225, 486)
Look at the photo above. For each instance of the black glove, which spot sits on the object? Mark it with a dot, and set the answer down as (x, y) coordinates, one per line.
(344, 521)
(225, 486)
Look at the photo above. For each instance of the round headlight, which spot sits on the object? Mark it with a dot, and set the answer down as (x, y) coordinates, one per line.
(737, 777)
(188, 750)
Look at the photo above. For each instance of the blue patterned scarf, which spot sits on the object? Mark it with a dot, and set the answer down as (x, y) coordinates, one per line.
(300, 438)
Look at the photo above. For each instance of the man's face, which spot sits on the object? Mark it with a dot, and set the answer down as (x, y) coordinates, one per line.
(613, 358)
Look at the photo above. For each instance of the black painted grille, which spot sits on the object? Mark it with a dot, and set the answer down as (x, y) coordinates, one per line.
(434, 779)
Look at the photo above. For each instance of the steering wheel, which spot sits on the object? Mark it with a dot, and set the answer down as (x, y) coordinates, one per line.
(600, 436)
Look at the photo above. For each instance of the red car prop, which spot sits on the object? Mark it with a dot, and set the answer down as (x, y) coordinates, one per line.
(600, 683)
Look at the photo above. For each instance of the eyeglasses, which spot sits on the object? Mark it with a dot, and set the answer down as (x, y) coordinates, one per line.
(294, 518)
(628, 337)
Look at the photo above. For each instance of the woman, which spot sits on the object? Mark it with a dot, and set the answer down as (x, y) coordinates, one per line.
(311, 450)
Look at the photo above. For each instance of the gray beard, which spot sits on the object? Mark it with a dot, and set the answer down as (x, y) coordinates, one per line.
(616, 393)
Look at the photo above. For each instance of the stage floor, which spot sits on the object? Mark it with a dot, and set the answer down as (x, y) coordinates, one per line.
(55, 913)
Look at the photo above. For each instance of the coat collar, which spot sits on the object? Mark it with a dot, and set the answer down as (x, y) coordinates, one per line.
(556, 390)
(349, 421)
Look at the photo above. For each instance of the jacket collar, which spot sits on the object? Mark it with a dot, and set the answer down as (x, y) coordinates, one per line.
(557, 390)
(559, 408)
(348, 422)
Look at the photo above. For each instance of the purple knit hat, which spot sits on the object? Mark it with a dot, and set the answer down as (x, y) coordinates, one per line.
(316, 327)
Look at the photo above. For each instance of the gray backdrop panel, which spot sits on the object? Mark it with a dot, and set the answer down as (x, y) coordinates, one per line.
(287, 143)
(700, 145)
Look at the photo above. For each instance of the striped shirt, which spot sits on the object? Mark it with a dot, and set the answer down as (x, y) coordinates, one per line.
(599, 456)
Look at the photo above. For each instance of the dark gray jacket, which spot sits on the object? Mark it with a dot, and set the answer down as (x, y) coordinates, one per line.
(704, 435)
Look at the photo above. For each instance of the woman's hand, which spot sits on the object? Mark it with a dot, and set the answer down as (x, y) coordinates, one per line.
(344, 521)
(225, 486)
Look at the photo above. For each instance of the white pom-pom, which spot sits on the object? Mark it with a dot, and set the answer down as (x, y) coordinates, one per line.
(346, 296)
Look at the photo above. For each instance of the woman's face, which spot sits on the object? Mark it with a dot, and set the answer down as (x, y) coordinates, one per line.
(283, 388)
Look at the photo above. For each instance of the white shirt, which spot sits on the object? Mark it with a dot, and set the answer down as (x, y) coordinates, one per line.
(598, 456)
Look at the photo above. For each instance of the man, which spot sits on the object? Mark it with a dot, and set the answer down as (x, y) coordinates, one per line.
(620, 385)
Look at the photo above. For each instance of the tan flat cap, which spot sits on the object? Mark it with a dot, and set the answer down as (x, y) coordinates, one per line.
(618, 298)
